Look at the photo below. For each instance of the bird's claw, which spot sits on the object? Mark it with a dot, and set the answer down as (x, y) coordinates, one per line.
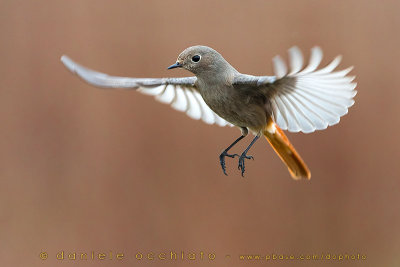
(222, 159)
(241, 162)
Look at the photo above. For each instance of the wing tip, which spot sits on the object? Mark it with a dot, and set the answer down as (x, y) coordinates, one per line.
(65, 59)
(68, 63)
(317, 49)
(280, 68)
(295, 49)
(354, 92)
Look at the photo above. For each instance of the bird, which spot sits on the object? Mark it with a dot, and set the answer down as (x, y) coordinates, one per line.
(297, 99)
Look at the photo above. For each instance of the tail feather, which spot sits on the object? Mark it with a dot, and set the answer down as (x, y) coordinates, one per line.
(285, 150)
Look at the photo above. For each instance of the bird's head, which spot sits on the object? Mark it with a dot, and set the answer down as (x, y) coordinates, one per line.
(201, 60)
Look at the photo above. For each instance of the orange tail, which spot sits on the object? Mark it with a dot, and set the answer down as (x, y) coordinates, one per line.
(286, 151)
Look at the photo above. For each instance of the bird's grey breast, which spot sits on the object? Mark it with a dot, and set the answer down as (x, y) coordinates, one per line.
(218, 96)
(241, 105)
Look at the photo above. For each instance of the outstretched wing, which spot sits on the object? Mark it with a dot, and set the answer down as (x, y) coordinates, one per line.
(180, 93)
(309, 99)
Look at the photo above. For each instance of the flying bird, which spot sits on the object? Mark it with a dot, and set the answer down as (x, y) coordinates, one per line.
(299, 100)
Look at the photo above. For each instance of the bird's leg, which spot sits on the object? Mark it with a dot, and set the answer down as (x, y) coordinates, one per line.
(244, 155)
(225, 154)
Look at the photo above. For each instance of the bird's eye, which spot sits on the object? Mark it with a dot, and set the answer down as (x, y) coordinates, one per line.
(196, 58)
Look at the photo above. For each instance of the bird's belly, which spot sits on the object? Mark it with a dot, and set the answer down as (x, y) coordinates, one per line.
(238, 112)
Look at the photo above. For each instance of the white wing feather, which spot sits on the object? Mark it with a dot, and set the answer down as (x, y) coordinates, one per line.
(316, 99)
(180, 93)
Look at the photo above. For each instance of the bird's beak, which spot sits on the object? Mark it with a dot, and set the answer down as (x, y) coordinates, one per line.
(176, 65)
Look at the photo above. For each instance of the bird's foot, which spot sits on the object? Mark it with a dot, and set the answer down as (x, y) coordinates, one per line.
(222, 159)
(242, 158)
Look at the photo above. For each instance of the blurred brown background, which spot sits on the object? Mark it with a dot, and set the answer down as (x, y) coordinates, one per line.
(87, 170)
